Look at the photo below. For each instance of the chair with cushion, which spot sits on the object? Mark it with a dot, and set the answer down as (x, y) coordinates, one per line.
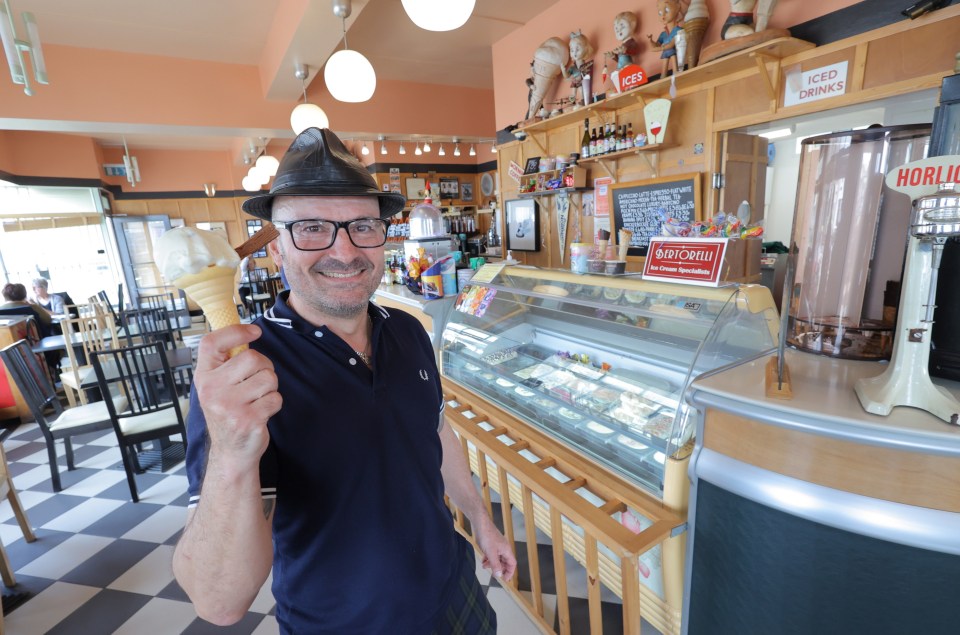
(55, 422)
(153, 412)
(96, 334)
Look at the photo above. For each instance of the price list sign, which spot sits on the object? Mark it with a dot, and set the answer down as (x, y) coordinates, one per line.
(637, 205)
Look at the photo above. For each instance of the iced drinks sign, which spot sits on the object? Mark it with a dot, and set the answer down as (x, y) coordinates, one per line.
(819, 83)
(697, 261)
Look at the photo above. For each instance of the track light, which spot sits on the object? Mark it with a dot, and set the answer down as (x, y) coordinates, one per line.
(441, 151)
(456, 149)
(493, 148)
(14, 48)
(418, 151)
(383, 146)
(426, 146)
(473, 151)
(364, 150)
(402, 149)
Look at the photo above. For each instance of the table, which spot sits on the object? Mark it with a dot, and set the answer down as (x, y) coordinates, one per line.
(52, 343)
(177, 358)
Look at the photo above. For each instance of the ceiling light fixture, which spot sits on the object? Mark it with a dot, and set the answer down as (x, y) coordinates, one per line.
(267, 165)
(364, 150)
(426, 146)
(418, 151)
(473, 151)
(402, 149)
(439, 15)
(130, 165)
(250, 183)
(383, 146)
(348, 74)
(210, 189)
(441, 151)
(456, 147)
(15, 48)
(306, 115)
(493, 147)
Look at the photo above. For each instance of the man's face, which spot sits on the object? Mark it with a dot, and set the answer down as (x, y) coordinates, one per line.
(337, 281)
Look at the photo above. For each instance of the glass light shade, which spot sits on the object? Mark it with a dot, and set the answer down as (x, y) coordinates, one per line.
(250, 183)
(259, 174)
(418, 151)
(350, 77)
(268, 165)
(441, 151)
(308, 116)
(364, 150)
(473, 151)
(456, 150)
(439, 15)
(402, 149)
(426, 146)
(383, 148)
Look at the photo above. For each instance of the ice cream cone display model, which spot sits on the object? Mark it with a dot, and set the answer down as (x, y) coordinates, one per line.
(695, 22)
(623, 236)
(656, 114)
(548, 60)
(204, 265)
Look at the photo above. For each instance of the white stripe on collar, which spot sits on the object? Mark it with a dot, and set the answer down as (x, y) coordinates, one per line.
(284, 322)
(383, 311)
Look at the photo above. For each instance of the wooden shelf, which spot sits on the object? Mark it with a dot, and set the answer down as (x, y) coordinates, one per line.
(559, 190)
(613, 157)
(754, 57)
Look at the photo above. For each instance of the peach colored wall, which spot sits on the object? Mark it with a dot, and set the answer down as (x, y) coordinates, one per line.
(6, 152)
(47, 154)
(174, 171)
(512, 54)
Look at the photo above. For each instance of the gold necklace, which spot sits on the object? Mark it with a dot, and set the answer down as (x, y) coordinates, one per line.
(366, 358)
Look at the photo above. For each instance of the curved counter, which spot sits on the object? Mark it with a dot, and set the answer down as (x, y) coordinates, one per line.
(431, 313)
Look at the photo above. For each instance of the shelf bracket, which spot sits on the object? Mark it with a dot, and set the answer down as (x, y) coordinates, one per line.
(602, 163)
(761, 60)
(533, 137)
(652, 163)
(639, 97)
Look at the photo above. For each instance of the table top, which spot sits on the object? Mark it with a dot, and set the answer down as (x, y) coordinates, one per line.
(57, 343)
(181, 357)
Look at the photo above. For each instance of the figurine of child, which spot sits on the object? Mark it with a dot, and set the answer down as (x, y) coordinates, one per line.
(666, 42)
(624, 26)
(740, 22)
(581, 54)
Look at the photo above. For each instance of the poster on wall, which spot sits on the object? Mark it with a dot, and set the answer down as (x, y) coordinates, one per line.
(601, 202)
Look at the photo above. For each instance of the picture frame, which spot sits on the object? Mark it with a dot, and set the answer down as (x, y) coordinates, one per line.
(466, 192)
(523, 224)
(532, 166)
(449, 188)
(415, 187)
(253, 226)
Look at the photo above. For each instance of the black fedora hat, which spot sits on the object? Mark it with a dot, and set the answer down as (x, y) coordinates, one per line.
(318, 164)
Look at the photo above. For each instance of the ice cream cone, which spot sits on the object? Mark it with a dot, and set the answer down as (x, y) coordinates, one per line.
(602, 247)
(624, 237)
(694, 28)
(212, 290)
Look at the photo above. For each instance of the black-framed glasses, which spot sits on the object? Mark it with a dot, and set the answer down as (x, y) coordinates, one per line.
(316, 234)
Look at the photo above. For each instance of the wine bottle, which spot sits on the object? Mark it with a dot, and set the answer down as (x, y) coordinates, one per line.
(585, 141)
(593, 143)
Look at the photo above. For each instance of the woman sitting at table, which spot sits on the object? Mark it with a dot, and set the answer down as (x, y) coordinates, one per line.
(52, 303)
(15, 296)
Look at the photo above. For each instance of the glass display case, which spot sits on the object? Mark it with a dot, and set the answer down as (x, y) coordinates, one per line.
(601, 362)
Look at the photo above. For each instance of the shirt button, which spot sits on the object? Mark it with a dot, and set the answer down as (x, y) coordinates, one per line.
(318, 333)
(353, 362)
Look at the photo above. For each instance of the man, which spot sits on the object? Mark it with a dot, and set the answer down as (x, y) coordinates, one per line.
(322, 452)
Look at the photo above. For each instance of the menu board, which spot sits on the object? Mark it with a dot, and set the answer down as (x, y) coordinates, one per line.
(636, 205)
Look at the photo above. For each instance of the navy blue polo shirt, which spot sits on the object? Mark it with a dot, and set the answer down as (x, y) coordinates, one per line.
(363, 542)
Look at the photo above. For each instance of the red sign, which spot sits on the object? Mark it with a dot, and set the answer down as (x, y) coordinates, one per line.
(691, 261)
(631, 76)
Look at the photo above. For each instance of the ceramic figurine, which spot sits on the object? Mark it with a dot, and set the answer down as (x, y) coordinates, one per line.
(672, 39)
(581, 56)
(548, 60)
(624, 26)
(696, 18)
(740, 22)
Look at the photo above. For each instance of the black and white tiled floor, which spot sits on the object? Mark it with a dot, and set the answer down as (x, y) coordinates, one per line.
(101, 564)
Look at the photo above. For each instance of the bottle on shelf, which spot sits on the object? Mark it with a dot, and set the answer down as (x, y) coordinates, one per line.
(593, 143)
(628, 136)
(585, 140)
(611, 140)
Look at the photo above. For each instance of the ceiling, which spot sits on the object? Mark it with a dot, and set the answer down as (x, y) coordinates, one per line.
(238, 31)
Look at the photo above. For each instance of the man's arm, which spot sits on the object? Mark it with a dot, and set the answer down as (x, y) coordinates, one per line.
(497, 552)
(226, 551)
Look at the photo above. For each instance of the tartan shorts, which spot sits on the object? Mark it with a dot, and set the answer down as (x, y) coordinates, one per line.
(468, 612)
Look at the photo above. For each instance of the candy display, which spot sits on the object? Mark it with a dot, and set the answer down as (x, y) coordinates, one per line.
(720, 226)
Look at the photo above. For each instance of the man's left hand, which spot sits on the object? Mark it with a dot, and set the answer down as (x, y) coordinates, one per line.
(497, 552)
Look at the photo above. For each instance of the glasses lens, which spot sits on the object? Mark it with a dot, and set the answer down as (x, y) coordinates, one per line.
(367, 232)
(313, 234)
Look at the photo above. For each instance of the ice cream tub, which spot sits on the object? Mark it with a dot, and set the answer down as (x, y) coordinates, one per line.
(579, 255)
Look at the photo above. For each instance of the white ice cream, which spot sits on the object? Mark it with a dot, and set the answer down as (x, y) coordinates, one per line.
(188, 250)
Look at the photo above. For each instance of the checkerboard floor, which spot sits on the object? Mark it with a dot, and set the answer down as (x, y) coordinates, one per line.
(101, 564)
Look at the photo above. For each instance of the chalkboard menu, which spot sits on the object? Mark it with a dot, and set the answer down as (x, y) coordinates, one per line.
(635, 206)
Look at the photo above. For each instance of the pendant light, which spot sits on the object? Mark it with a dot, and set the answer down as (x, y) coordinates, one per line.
(364, 150)
(402, 149)
(426, 146)
(439, 15)
(418, 151)
(456, 147)
(441, 151)
(348, 74)
(383, 146)
(473, 151)
(306, 115)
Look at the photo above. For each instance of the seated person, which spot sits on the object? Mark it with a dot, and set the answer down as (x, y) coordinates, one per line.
(53, 303)
(15, 297)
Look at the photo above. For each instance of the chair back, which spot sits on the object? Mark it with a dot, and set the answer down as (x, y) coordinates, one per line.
(97, 332)
(157, 301)
(142, 374)
(149, 325)
(30, 377)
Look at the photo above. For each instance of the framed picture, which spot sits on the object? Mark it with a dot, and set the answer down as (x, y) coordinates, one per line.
(416, 187)
(466, 192)
(449, 187)
(532, 166)
(253, 226)
(523, 224)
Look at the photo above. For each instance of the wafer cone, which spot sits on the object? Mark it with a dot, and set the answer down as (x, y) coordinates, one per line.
(212, 290)
(694, 28)
(624, 237)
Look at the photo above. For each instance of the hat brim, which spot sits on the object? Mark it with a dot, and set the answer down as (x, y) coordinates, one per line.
(262, 206)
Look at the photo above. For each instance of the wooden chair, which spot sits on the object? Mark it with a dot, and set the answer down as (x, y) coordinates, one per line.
(55, 422)
(260, 296)
(154, 410)
(8, 491)
(97, 332)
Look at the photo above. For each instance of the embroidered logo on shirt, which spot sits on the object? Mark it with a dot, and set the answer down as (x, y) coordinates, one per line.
(423, 375)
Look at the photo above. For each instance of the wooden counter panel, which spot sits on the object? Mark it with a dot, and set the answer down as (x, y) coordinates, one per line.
(912, 478)
(424, 319)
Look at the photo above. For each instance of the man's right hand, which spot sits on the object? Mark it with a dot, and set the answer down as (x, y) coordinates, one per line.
(238, 394)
